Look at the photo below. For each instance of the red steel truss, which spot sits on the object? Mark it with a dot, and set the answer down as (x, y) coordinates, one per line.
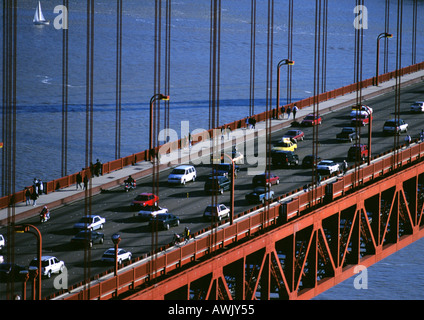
(295, 248)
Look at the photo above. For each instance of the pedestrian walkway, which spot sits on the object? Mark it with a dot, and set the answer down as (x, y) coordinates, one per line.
(142, 169)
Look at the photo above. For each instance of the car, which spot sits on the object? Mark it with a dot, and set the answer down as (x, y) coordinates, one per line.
(224, 169)
(49, 265)
(88, 238)
(326, 167)
(286, 144)
(311, 120)
(1, 259)
(145, 199)
(362, 110)
(360, 120)
(217, 212)
(347, 134)
(357, 151)
(296, 135)
(182, 174)
(260, 195)
(417, 106)
(150, 211)
(284, 158)
(217, 184)
(10, 271)
(265, 179)
(163, 221)
(308, 161)
(2, 242)
(394, 126)
(109, 255)
(91, 222)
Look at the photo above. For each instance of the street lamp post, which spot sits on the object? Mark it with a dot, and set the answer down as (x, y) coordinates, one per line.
(232, 189)
(380, 36)
(280, 64)
(156, 97)
(37, 273)
(116, 238)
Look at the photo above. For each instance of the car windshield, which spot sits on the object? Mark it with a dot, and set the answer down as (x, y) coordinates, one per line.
(110, 252)
(142, 197)
(348, 130)
(309, 118)
(178, 171)
(160, 217)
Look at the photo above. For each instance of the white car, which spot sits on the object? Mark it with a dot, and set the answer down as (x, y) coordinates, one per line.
(362, 110)
(417, 106)
(2, 242)
(109, 255)
(219, 211)
(182, 174)
(49, 265)
(328, 167)
(91, 222)
(149, 212)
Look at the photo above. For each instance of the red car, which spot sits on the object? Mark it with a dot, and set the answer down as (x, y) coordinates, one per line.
(297, 135)
(311, 120)
(265, 179)
(360, 120)
(145, 199)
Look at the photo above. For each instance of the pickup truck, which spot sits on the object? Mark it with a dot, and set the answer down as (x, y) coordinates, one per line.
(328, 167)
(224, 169)
(347, 134)
(260, 195)
(217, 212)
(394, 126)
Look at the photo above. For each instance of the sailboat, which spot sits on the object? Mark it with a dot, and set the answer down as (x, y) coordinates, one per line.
(39, 17)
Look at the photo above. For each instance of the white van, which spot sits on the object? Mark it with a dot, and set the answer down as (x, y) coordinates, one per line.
(182, 174)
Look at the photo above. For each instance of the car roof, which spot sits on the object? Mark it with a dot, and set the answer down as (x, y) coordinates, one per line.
(184, 166)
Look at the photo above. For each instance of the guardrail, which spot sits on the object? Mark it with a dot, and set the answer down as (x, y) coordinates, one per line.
(118, 164)
(287, 207)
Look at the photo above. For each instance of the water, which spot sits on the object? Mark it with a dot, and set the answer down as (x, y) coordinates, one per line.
(39, 71)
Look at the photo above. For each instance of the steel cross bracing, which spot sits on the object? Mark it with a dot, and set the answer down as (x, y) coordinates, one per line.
(293, 249)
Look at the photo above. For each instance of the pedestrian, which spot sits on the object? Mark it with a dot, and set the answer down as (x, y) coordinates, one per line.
(422, 135)
(35, 185)
(283, 111)
(318, 179)
(344, 167)
(27, 196)
(34, 197)
(85, 182)
(40, 187)
(253, 122)
(288, 112)
(294, 111)
(408, 140)
(79, 180)
(247, 122)
(98, 168)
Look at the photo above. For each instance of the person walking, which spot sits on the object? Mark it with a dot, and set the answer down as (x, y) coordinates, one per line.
(288, 112)
(283, 111)
(344, 167)
(34, 197)
(27, 196)
(294, 112)
(40, 187)
(85, 182)
(79, 180)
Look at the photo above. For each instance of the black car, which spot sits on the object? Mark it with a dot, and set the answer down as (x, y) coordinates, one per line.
(284, 158)
(87, 237)
(10, 271)
(308, 162)
(163, 221)
(217, 184)
(347, 134)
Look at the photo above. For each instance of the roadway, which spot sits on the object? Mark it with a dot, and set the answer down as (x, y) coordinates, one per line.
(188, 202)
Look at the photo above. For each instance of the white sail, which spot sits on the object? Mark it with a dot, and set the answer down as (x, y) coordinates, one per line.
(38, 16)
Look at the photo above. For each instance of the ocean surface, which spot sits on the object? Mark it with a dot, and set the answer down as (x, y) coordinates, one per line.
(39, 85)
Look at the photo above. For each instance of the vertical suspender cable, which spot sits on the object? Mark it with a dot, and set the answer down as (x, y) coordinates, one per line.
(64, 163)
(118, 78)
(324, 46)
(89, 126)
(289, 52)
(414, 31)
(252, 57)
(386, 40)
(167, 64)
(398, 77)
